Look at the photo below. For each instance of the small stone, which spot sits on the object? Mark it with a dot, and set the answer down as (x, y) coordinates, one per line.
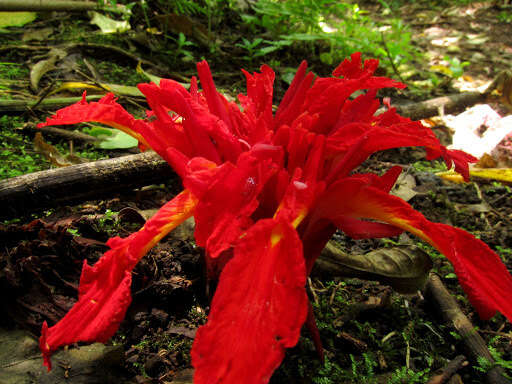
(159, 315)
(154, 364)
(140, 316)
(142, 380)
(132, 359)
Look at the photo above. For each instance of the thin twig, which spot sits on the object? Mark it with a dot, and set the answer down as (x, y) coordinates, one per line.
(99, 85)
(388, 54)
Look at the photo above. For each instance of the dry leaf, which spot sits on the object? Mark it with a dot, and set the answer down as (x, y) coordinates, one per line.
(45, 66)
(108, 25)
(404, 268)
(53, 155)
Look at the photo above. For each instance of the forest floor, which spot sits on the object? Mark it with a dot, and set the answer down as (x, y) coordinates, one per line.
(370, 333)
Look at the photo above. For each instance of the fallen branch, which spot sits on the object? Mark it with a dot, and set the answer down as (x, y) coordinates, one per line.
(448, 370)
(52, 5)
(25, 194)
(474, 344)
(450, 104)
(457, 102)
(50, 103)
(62, 133)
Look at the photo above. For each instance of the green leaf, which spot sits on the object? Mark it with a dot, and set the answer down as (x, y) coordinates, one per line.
(118, 140)
(99, 132)
(107, 25)
(16, 19)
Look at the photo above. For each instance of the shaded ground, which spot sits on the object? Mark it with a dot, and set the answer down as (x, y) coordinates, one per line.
(370, 334)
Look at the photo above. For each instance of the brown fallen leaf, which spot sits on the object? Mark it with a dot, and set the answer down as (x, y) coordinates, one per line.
(44, 66)
(53, 155)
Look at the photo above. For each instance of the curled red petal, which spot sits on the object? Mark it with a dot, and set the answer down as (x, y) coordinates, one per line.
(292, 104)
(260, 89)
(460, 160)
(360, 229)
(105, 111)
(104, 291)
(258, 309)
(217, 103)
(480, 271)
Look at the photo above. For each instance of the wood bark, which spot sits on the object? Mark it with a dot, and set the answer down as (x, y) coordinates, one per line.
(473, 343)
(448, 370)
(450, 104)
(50, 103)
(25, 194)
(63, 133)
(50, 5)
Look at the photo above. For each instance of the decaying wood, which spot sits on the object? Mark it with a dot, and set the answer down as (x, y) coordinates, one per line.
(24, 194)
(51, 5)
(49, 103)
(448, 370)
(62, 133)
(451, 103)
(457, 102)
(474, 344)
(455, 379)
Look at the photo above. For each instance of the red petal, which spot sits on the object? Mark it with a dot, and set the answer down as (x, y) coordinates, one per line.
(258, 309)
(460, 159)
(360, 229)
(328, 96)
(360, 140)
(104, 291)
(105, 111)
(225, 209)
(197, 120)
(293, 100)
(480, 271)
(259, 92)
(216, 102)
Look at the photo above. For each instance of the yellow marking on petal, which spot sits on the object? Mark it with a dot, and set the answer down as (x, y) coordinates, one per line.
(275, 238)
(295, 222)
(406, 225)
(299, 218)
(128, 131)
(278, 209)
(94, 301)
(47, 346)
(186, 210)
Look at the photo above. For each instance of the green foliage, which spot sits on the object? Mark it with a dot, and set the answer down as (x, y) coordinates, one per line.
(185, 7)
(330, 373)
(406, 375)
(117, 74)
(485, 365)
(108, 223)
(13, 71)
(250, 48)
(505, 17)
(73, 231)
(456, 67)
(180, 51)
(17, 156)
(443, 74)
(331, 30)
(505, 253)
(429, 166)
(361, 371)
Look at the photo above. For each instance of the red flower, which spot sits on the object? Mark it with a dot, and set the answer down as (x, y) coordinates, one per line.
(267, 192)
